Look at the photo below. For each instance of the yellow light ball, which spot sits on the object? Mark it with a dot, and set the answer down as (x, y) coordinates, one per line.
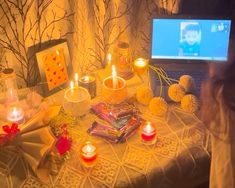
(190, 103)
(144, 95)
(158, 106)
(187, 82)
(176, 92)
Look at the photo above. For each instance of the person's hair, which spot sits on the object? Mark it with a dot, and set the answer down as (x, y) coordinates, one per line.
(225, 80)
(192, 27)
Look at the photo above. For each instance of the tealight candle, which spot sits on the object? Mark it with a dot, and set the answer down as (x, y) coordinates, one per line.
(89, 82)
(148, 133)
(140, 65)
(15, 115)
(88, 154)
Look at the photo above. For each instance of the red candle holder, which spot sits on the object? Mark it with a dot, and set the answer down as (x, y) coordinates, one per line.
(88, 154)
(148, 133)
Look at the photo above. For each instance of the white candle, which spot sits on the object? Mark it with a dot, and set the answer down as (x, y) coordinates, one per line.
(76, 79)
(114, 75)
(15, 115)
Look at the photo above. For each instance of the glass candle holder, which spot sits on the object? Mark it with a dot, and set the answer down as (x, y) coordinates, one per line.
(88, 154)
(88, 82)
(111, 94)
(8, 80)
(148, 133)
(140, 66)
(123, 61)
(77, 101)
(15, 114)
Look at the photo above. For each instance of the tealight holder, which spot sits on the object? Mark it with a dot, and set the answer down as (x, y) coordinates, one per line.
(148, 133)
(88, 154)
(15, 114)
(77, 101)
(88, 82)
(114, 95)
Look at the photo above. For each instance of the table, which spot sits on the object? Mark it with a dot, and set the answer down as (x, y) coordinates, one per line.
(180, 158)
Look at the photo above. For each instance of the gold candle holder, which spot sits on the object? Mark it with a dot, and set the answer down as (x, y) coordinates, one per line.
(114, 94)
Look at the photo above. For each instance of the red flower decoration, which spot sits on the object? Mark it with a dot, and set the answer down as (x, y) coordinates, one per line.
(11, 130)
(63, 145)
(10, 133)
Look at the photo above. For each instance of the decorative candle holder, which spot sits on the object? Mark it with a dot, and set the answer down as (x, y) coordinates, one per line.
(89, 82)
(148, 133)
(111, 94)
(88, 154)
(8, 79)
(140, 65)
(15, 114)
(77, 101)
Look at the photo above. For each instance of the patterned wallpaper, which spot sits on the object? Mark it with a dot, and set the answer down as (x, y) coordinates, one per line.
(92, 28)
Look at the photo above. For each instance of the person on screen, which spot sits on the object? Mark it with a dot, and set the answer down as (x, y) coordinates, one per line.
(218, 113)
(190, 43)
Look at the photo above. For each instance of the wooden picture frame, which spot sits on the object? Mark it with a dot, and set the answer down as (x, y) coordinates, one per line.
(55, 68)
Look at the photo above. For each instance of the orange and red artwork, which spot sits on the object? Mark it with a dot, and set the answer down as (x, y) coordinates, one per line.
(55, 68)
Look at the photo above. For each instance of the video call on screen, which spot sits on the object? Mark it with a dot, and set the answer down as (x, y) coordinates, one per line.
(190, 39)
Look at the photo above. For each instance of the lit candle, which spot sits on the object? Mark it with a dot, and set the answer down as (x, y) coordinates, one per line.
(148, 133)
(72, 86)
(88, 154)
(114, 76)
(76, 101)
(57, 52)
(140, 65)
(15, 115)
(76, 79)
(89, 83)
(109, 59)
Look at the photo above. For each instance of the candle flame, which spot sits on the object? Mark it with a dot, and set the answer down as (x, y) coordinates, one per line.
(14, 111)
(86, 78)
(71, 85)
(140, 62)
(109, 58)
(76, 77)
(148, 127)
(57, 52)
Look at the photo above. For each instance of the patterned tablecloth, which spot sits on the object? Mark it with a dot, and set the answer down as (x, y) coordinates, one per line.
(179, 158)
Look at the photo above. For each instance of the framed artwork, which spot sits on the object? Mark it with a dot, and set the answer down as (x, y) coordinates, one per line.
(55, 68)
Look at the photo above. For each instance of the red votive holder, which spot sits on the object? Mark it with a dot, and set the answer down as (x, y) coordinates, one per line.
(148, 133)
(88, 154)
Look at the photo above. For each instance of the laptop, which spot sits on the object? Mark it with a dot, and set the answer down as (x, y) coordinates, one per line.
(185, 45)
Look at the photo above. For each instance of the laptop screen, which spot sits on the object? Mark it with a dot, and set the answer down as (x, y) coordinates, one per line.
(190, 39)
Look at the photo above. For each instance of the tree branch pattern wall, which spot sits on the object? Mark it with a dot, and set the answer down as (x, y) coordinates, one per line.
(92, 28)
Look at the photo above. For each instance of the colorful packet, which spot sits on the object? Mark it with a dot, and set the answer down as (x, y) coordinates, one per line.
(105, 131)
